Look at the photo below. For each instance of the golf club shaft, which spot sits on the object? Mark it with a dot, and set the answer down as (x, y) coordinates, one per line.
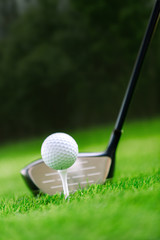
(114, 139)
(137, 67)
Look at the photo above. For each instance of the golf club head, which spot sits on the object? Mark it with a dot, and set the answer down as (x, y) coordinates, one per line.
(89, 168)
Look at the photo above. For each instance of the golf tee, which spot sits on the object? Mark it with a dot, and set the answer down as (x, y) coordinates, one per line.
(63, 176)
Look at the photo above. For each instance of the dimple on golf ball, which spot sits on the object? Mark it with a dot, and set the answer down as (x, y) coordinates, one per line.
(59, 151)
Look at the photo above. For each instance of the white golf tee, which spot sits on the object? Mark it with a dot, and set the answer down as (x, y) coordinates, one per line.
(63, 176)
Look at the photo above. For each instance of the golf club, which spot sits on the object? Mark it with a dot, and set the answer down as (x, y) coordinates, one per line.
(91, 168)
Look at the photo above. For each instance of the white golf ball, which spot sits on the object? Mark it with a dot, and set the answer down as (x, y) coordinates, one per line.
(59, 151)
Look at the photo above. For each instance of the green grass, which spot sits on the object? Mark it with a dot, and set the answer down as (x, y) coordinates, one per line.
(126, 208)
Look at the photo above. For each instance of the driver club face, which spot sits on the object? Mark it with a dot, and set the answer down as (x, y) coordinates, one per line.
(88, 169)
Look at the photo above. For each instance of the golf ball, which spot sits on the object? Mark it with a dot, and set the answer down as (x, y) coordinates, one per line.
(59, 151)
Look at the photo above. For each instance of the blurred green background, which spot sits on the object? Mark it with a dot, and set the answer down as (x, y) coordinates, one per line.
(65, 64)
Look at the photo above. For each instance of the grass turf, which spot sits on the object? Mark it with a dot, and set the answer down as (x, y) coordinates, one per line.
(126, 208)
